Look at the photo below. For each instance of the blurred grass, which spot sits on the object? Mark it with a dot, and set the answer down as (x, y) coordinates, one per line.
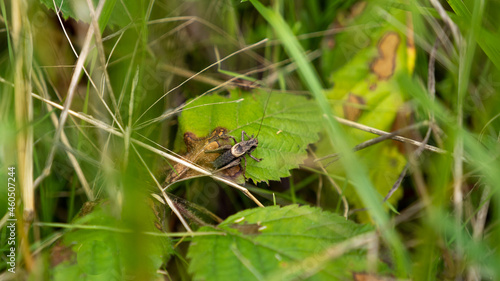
(354, 169)
(448, 218)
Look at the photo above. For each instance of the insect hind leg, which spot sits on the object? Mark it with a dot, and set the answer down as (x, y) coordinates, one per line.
(235, 162)
(220, 149)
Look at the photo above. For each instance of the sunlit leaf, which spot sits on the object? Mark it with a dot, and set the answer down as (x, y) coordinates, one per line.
(97, 254)
(264, 242)
(365, 91)
(289, 124)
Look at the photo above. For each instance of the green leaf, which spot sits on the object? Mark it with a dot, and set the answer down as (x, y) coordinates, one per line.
(289, 124)
(98, 253)
(381, 97)
(263, 242)
(95, 257)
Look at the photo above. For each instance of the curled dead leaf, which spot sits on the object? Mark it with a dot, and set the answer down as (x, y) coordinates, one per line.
(196, 147)
(247, 228)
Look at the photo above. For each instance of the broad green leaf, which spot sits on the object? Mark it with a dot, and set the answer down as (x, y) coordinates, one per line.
(365, 90)
(264, 242)
(289, 125)
(98, 254)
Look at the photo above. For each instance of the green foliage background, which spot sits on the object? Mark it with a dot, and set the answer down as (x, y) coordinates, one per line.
(143, 64)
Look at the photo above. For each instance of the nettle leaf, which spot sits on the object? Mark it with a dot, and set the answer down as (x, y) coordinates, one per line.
(267, 242)
(98, 254)
(289, 125)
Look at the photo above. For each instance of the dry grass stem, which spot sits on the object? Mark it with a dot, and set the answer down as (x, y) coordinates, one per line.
(107, 128)
(67, 104)
(165, 196)
(382, 133)
(335, 185)
(198, 73)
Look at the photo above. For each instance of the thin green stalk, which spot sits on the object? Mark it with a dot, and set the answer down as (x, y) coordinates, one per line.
(467, 50)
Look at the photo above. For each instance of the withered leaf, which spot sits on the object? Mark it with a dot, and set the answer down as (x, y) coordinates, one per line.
(353, 107)
(196, 147)
(247, 228)
(383, 66)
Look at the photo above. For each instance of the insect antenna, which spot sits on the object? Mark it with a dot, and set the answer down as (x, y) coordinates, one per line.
(264, 113)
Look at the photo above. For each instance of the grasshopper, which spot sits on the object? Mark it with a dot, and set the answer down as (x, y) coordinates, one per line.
(232, 154)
